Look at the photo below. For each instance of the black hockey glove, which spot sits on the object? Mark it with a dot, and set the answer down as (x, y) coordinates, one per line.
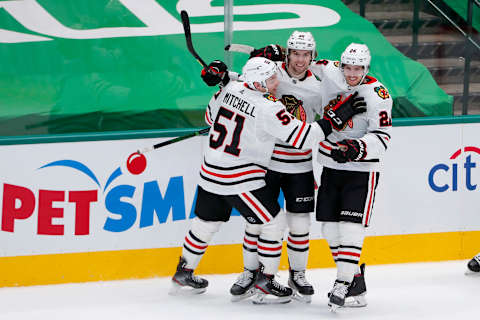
(339, 114)
(272, 52)
(215, 74)
(349, 150)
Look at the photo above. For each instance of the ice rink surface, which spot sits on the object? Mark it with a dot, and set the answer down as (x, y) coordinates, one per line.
(402, 291)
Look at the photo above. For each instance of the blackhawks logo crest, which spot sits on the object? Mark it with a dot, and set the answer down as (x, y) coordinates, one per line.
(382, 92)
(294, 107)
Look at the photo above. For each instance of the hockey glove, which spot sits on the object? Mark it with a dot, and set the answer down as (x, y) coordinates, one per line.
(349, 150)
(339, 114)
(272, 52)
(215, 73)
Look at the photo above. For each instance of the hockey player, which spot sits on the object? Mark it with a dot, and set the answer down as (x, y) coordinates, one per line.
(474, 265)
(351, 165)
(289, 170)
(246, 119)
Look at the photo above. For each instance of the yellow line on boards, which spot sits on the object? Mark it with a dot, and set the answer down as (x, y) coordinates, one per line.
(148, 263)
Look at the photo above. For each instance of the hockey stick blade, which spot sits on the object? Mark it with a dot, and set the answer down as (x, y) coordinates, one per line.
(174, 140)
(235, 47)
(188, 37)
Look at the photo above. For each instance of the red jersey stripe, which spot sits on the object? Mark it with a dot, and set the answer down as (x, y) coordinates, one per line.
(233, 175)
(292, 153)
(259, 210)
(299, 134)
(325, 146)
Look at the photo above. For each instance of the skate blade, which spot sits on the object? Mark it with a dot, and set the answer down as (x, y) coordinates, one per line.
(333, 307)
(178, 290)
(355, 302)
(262, 298)
(250, 292)
(301, 298)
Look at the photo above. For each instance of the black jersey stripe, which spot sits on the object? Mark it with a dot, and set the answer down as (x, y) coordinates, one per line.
(292, 160)
(286, 146)
(233, 168)
(324, 153)
(381, 132)
(233, 182)
(291, 134)
(381, 140)
(305, 136)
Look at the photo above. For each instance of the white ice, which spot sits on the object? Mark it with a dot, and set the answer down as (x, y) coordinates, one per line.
(402, 291)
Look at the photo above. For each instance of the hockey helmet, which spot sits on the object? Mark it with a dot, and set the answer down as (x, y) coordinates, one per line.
(299, 40)
(356, 54)
(258, 69)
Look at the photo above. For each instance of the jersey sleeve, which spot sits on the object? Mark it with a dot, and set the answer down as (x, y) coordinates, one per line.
(377, 138)
(278, 122)
(212, 108)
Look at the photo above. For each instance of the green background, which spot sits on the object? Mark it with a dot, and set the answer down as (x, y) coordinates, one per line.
(135, 83)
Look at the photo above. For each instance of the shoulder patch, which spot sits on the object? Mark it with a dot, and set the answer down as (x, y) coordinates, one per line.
(268, 96)
(336, 63)
(323, 61)
(382, 92)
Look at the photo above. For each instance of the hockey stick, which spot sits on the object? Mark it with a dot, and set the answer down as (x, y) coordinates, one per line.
(177, 139)
(235, 47)
(188, 37)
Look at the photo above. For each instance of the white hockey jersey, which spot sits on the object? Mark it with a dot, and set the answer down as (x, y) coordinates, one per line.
(372, 127)
(245, 126)
(303, 99)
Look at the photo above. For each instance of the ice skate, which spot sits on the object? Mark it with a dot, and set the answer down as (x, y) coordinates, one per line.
(244, 288)
(355, 297)
(269, 291)
(473, 266)
(185, 283)
(302, 290)
(337, 295)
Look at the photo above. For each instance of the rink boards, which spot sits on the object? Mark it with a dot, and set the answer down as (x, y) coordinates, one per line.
(75, 211)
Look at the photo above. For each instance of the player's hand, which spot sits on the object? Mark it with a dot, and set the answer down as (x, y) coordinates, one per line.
(349, 150)
(215, 73)
(272, 52)
(339, 114)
